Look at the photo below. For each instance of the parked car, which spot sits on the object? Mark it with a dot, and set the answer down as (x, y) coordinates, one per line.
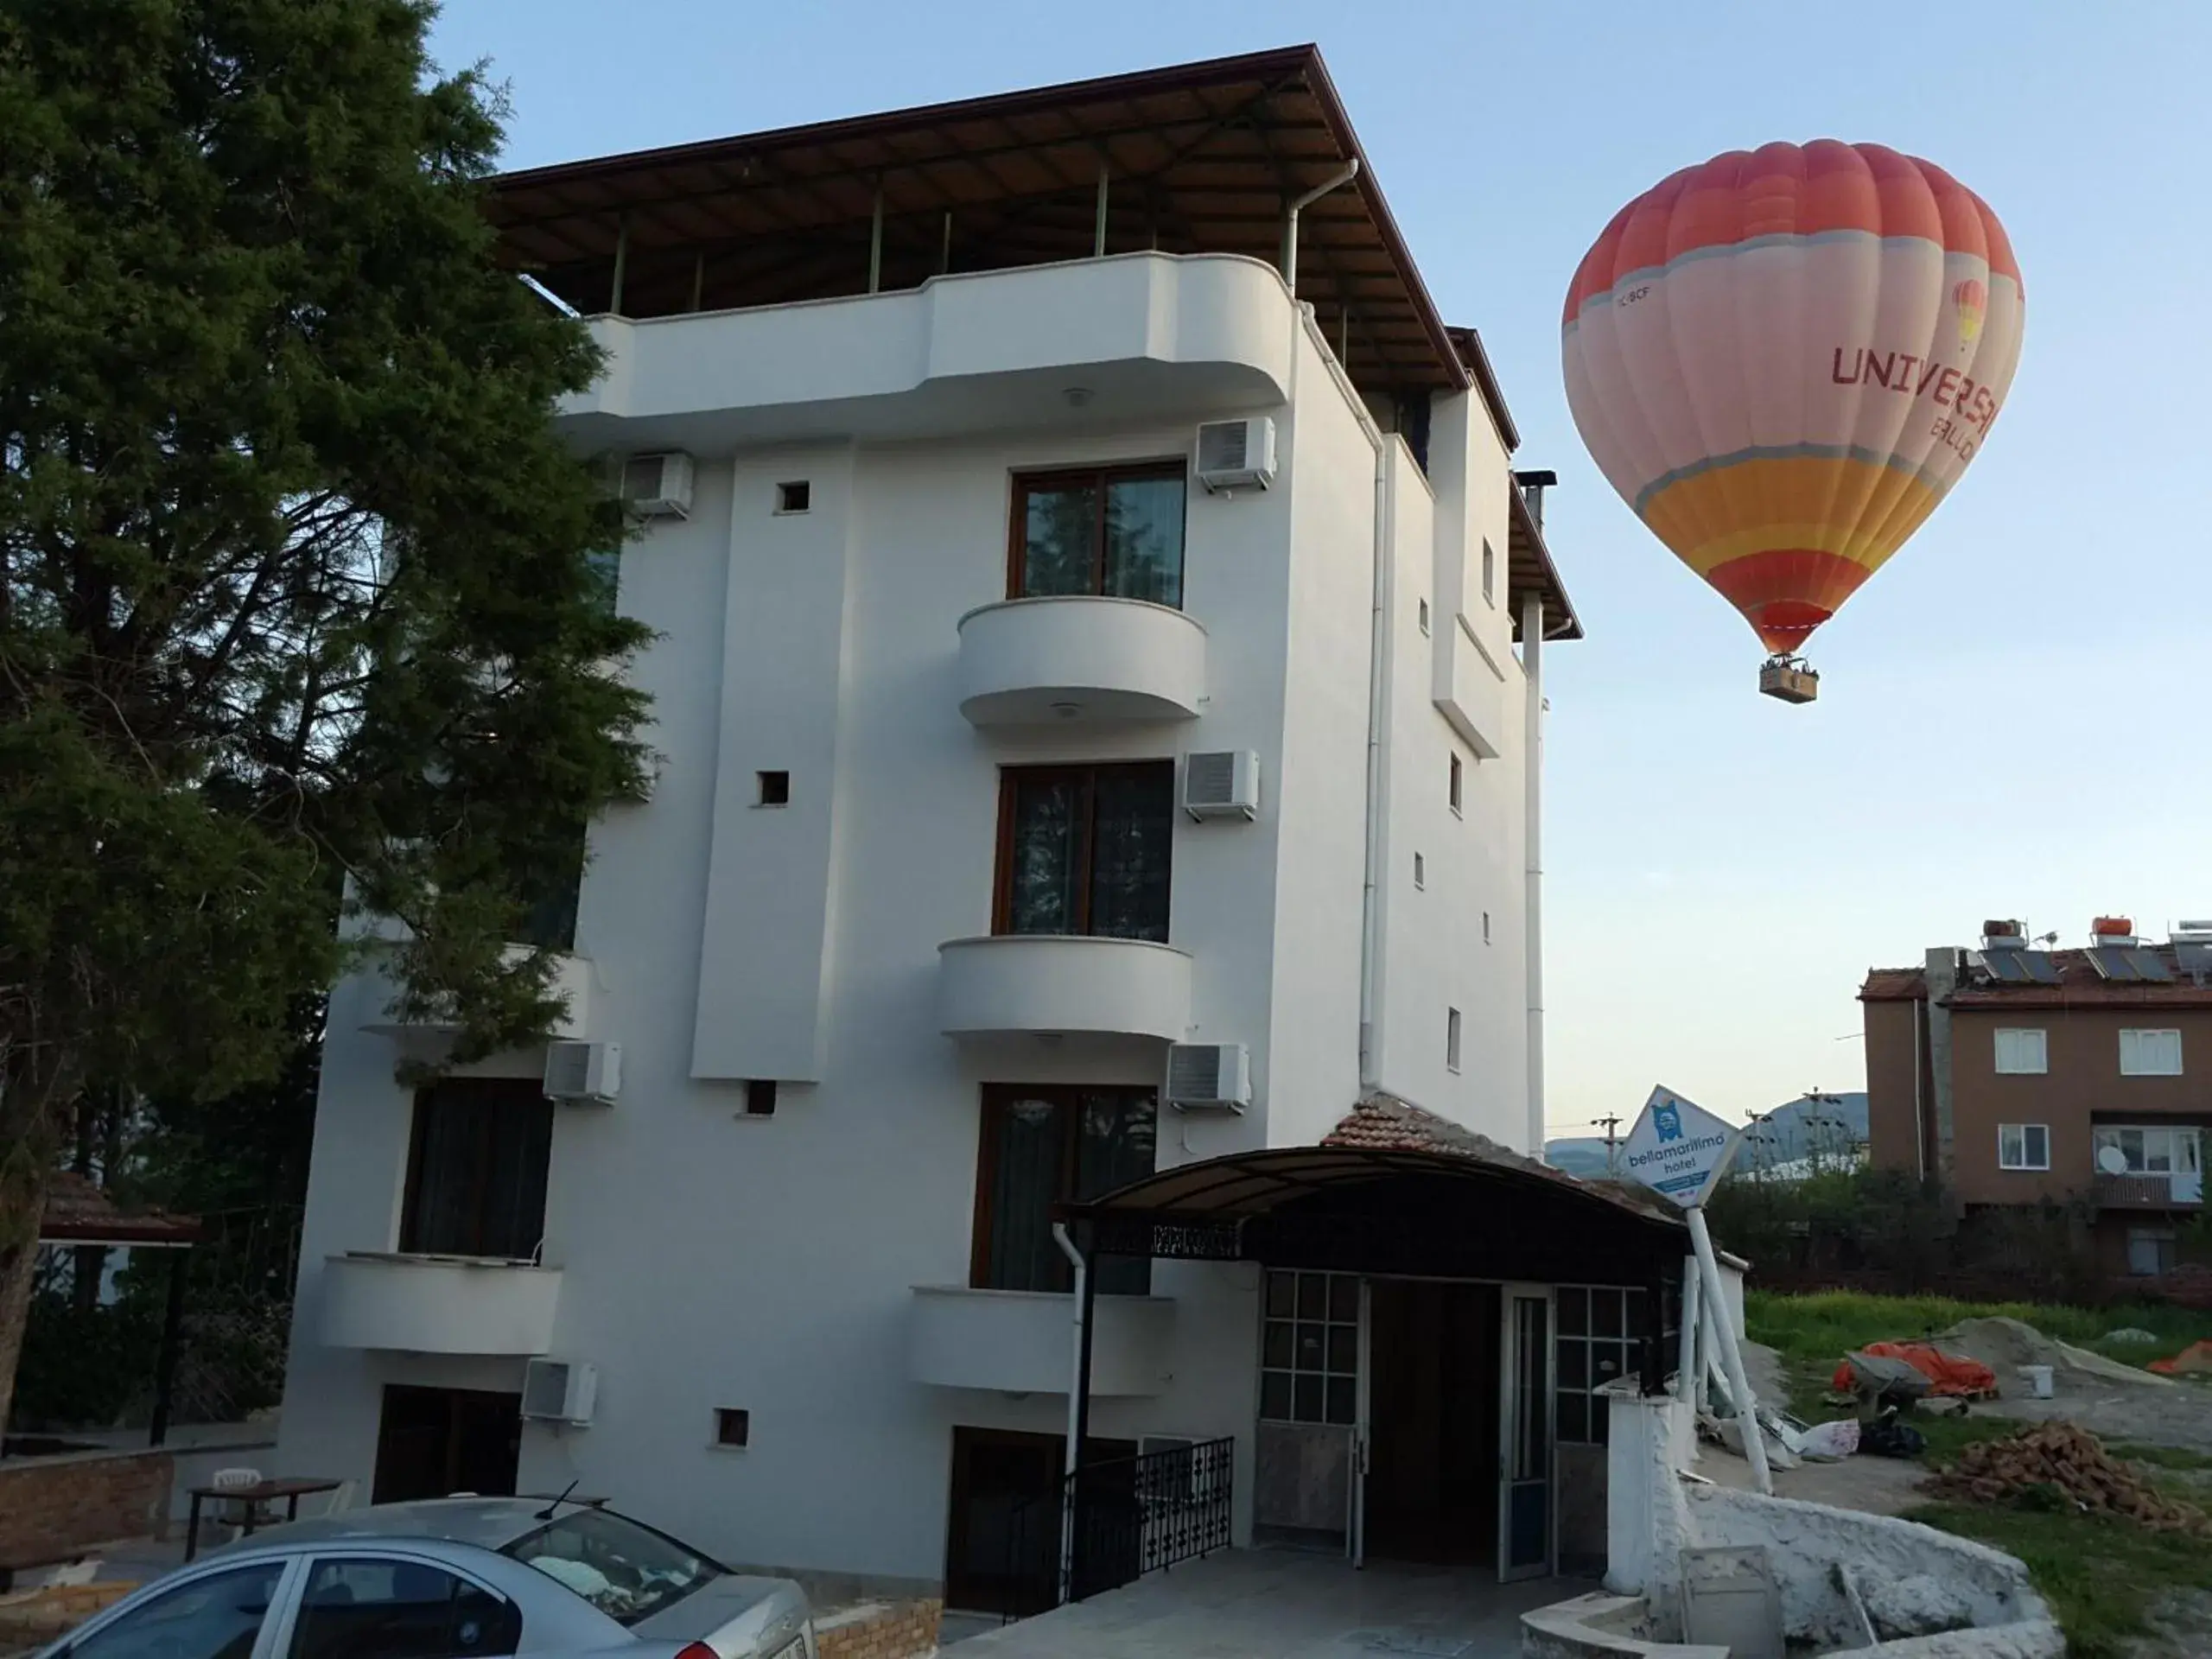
(456, 1578)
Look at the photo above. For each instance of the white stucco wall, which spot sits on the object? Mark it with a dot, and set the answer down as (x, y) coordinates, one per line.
(709, 1258)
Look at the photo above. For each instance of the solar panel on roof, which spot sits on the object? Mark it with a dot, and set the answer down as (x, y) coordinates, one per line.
(2196, 960)
(2112, 962)
(2151, 965)
(2004, 966)
(2038, 965)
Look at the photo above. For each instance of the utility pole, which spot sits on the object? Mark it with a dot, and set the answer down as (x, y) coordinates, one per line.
(1611, 1125)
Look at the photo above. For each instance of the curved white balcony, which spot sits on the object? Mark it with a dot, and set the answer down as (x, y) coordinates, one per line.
(1053, 985)
(438, 1304)
(1079, 659)
(1021, 1341)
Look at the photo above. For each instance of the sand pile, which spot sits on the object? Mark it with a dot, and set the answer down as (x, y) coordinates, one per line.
(2004, 1345)
(2072, 1460)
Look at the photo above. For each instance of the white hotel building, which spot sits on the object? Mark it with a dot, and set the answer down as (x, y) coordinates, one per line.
(1097, 679)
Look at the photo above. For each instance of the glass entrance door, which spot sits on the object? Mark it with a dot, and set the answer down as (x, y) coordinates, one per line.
(1524, 1489)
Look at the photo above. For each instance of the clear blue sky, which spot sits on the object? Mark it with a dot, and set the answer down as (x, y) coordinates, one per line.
(2010, 721)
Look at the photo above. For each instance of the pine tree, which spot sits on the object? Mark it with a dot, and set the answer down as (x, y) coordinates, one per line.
(300, 591)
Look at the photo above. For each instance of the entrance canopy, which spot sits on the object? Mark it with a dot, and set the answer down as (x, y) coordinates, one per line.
(1392, 1190)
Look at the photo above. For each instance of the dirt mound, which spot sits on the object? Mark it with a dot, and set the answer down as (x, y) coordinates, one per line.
(2073, 1461)
(2004, 1345)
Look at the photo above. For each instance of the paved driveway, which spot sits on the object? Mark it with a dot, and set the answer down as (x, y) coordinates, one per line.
(1287, 1604)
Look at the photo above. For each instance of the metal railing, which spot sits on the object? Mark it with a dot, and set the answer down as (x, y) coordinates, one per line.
(1109, 1524)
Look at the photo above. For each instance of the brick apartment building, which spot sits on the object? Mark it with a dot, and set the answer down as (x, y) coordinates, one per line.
(2015, 1074)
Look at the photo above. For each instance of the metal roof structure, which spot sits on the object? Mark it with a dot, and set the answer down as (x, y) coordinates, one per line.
(78, 1212)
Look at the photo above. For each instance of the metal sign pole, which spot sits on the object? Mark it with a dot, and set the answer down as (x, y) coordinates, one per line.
(1732, 1355)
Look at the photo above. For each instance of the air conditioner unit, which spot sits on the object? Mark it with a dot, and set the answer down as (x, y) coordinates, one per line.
(1204, 1076)
(583, 1071)
(559, 1390)
(658, 487)
(1235, 453)
(1223, 783)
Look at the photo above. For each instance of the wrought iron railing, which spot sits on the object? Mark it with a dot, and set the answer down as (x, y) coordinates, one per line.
(1109, 1524)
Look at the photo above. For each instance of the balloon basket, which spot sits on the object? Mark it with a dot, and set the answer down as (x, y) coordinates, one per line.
(1790, 679)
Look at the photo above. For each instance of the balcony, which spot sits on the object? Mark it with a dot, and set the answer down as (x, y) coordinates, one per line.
(1051, 984)
(572, 980)
(1022, 1341)
(1145, 335)
(1080, 660)
(2148, 1191)
(438, 1304)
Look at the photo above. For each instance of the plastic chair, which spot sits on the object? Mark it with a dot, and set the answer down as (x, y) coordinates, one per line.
(233, 1513)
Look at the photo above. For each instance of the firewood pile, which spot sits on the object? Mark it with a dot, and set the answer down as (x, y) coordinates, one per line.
(2071, 1462)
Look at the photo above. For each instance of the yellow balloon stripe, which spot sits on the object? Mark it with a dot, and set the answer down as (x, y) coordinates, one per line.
(1859, 510)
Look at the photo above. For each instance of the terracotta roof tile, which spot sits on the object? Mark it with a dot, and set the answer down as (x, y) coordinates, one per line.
(1893, 985)
(79, 1212)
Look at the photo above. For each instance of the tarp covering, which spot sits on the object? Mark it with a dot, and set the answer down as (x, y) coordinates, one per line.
(1947, 1373)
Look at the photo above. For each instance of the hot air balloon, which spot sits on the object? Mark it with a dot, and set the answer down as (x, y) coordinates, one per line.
(1783, 359)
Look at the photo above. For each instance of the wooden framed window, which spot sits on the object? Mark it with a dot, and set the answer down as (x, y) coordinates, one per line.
(1110, 530)
(2023, 1146)
(1043, 1145)
(476, 1169)
(1085, 850)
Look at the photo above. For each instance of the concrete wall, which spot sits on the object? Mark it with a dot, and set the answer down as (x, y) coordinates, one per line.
(712, 1259)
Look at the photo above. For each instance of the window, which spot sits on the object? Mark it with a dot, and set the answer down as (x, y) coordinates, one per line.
(1047, 1146)
(1457, 788)
(628, 1571)
(1309, 1349)
(1452, 1039)
(2021, 1052)
(1485, 927)
(2150, 1250)
(2023, 1146)
(733, 1427)
(795, 497)
(1421, 871)
(2153, 1149)
(215, 1617)
(476, 1169)
(1085, 850)
(775, 788)
(1424, 616)
(1490, 572)
(1600, 1339)
(2150, 1053)
(760, 1097)
(550, 897)
(1112, 531)
(377, 1607)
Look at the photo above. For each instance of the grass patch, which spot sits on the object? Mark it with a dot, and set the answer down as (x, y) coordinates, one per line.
(2098, 1573)
(2163, 1457)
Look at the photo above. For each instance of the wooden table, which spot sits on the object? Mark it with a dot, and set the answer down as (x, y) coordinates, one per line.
(266, 1491)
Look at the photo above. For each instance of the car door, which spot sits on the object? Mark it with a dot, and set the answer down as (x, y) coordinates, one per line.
(371, 1604)
(218, 1612)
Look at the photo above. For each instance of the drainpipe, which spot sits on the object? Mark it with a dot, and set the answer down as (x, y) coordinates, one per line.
(1336, 181)
(1532, 798)
(1379, 662)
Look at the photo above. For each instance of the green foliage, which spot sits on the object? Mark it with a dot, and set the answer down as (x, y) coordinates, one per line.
(2100, 1573)
(298, 583)
(1870, 1220)
(87, 1367)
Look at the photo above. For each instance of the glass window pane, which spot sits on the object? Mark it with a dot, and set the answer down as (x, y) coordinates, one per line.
(1344, 1400)
(371, 1608)
(477, 1179)
(1025, 1184)
(1144, 539)
(1059, 540)
(1274, 1397)
(1045, 867)
(1343, 1348)
(1605, 1313)
(1573, 1363)
(1114, 1143)
(1307, 1402)
(1344, 1298)
(1574, 1312)
(1282, 1292)
(215, 1617)
(1132, 832)
(1312, 1296)
(1601, 1419)
(1573, 1416)
(1311, 1354)
(1606, 1360)
(1275, 1347)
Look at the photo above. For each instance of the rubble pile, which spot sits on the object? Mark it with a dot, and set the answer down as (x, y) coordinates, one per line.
(2073, 1461)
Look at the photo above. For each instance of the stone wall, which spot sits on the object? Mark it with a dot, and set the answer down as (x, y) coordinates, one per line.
(878, 1629)
(54, 1509)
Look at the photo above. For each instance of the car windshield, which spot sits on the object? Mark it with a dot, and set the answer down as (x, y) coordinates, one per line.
(628, 1571)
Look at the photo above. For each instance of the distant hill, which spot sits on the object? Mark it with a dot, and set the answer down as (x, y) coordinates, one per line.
(1826, 1128)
